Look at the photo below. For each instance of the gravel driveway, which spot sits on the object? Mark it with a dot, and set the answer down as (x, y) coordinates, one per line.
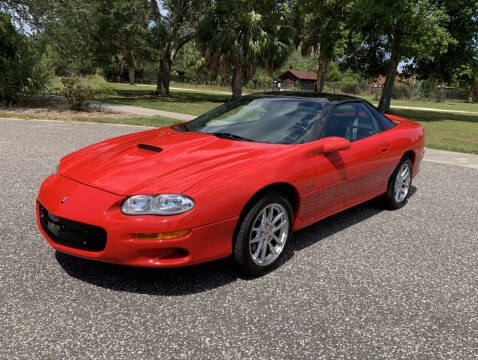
(363, 284)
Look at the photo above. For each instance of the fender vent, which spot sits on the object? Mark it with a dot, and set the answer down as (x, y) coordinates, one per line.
(149, 147)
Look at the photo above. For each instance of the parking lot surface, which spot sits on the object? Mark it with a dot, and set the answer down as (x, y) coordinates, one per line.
(364, 284)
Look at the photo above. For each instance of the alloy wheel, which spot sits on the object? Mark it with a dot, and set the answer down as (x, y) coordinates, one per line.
(268, 234)
(402, 182)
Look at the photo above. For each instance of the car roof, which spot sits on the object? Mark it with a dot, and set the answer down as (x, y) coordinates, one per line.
(322, 97)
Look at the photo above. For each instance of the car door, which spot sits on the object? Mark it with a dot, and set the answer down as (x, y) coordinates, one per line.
(350, 176)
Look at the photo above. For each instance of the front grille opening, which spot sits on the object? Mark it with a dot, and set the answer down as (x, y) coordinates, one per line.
(72, 233)
(164, 254)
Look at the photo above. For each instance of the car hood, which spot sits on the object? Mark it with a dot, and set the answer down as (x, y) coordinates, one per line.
(183, 159)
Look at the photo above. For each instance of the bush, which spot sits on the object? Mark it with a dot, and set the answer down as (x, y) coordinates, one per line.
(401, 91)
(97, 83)
(76, 93)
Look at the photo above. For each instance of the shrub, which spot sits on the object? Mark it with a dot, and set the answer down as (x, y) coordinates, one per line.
(76, 93)
(401, 91)
(99, 85)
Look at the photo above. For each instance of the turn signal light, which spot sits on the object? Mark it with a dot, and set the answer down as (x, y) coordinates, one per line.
(162, 236)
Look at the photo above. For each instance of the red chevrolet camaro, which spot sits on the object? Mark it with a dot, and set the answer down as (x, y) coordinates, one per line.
(237, 181)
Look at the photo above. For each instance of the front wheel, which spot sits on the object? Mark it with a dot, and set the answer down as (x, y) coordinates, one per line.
(399, 185)
(264, 235)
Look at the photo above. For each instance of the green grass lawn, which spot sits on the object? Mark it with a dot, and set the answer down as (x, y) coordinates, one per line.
(180, 101)
(202, 98)
(446, 131)
(446, 105)
(195, 102)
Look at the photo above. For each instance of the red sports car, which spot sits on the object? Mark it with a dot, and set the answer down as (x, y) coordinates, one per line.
(237, 181)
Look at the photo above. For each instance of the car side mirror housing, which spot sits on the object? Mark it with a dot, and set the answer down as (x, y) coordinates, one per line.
(335, 143)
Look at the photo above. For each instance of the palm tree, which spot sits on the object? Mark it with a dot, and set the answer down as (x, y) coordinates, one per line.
(320, 31)
(238, 36)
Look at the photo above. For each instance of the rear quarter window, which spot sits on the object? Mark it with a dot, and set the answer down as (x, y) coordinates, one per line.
(382, 119)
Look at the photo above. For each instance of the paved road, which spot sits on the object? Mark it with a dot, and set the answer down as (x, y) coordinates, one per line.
(364, 284)
(451, 158)
(141, 111)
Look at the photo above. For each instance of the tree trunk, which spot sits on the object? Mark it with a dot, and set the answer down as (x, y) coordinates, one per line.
(469, 98)
(319, 86)
(321, 75)
(162, 87)
(237, 82)
(391, 73)
(132, 80)
(324, 75)
(440, 91)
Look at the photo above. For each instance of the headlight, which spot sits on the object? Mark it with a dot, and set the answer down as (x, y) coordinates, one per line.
(167, 204)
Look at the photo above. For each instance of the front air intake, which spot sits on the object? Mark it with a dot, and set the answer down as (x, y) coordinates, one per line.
(72, 233)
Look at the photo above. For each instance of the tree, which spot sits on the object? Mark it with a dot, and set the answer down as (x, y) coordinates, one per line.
(320, 31)
(189, 62)
(17, 9)
(68, 27)
(241, 35)
(104, 29)
(384, 33)
(173, 29)
(93, 33)
(21, 69)
(460, 62)
(122, 33)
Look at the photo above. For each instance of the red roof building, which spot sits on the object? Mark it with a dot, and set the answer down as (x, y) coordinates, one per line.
(303, 80)
(381, 80)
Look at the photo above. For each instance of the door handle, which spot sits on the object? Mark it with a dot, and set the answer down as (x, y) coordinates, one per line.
(385, 148)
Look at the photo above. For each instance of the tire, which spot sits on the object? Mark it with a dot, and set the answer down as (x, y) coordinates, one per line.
(393, 199)
(257, 249)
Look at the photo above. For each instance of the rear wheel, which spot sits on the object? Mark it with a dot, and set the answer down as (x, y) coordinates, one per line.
(264, 235)
(399, 185)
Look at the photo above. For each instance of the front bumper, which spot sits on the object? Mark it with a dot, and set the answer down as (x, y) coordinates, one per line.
(88, 205)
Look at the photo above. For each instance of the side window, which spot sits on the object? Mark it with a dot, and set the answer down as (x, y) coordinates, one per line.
(339, 120)
(352, 121)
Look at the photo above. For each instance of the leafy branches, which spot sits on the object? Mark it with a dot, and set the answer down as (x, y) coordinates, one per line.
(321, 31)
(390, 32)
(22, 71)
(240, 36)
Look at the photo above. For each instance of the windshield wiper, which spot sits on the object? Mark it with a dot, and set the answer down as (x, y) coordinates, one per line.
(224, 135)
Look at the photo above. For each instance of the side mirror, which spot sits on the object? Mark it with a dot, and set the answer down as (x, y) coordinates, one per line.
(335, 143)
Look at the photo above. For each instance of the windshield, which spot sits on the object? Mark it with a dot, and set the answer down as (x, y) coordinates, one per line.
(267, 120)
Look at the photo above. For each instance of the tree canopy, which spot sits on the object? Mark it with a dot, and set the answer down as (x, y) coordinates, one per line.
(236, 39)
(460, 62)
(320, 31)
(21, 70)
(242, 35)
(383, 33)
(173, 28)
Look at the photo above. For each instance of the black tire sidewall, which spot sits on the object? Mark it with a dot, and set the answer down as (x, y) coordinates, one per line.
(241, 254)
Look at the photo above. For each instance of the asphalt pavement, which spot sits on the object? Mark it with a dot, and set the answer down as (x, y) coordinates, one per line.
(364, 284)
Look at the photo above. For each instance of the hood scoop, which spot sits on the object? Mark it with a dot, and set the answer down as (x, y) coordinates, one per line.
(149, 147)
